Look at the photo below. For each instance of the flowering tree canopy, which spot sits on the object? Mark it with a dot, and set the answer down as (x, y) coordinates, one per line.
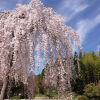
(34, 28)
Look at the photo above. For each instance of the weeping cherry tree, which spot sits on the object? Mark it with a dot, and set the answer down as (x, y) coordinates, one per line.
(34, 28)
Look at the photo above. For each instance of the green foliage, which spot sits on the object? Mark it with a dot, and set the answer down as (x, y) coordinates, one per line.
(80, 97)
(76, 69)
(78, 85)
(15, 97)
(91, 64)
(92, 90)
(89, 90)
(78, 81)
(89, 71)
(39, 86)
(40, 95)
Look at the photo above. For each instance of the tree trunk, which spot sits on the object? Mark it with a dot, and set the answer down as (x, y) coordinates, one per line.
(3, 89)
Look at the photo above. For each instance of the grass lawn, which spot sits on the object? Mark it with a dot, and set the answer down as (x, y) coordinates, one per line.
(81, 97)
(40, 95)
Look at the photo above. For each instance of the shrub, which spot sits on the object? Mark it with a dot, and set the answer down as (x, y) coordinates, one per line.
(97, 90)
(89, 90)
(82, 97)
(92, 90)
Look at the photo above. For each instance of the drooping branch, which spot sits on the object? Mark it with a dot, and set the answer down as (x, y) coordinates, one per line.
(34, 28)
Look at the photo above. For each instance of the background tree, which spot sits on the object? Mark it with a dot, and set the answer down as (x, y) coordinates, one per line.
(89, 71)
(77, 82)
(39, 86)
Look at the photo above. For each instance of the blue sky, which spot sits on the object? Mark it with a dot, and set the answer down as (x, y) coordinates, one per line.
(81, 15)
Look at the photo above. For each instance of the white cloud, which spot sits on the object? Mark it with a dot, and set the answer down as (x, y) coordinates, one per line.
(70, 8)
(80, 8)
(85, 26)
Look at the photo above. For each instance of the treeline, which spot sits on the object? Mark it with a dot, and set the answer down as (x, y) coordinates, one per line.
(85, 81)
(86, 70)
(89, 70)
